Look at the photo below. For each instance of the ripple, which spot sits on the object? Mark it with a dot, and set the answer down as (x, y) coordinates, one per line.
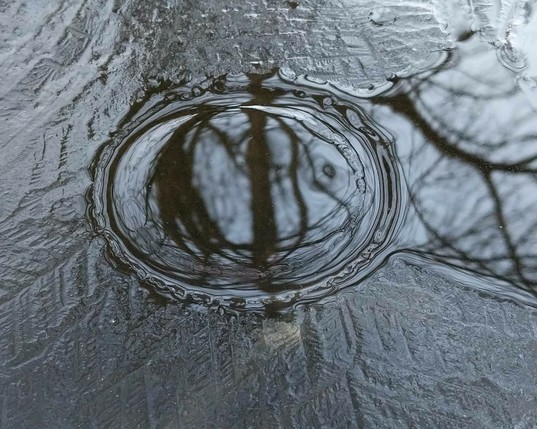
(511, 58)
(248, 192)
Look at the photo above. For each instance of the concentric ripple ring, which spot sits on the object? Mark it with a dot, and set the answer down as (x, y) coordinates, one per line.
(248, 192)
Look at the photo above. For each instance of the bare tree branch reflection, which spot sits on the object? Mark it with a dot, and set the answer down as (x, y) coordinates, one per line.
(239, 187)
(470, 164)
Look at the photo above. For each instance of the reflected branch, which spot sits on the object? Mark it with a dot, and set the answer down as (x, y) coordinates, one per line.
(477, 229)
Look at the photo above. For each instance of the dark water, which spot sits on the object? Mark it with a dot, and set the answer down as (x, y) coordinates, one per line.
(249, 190)
(272, 190)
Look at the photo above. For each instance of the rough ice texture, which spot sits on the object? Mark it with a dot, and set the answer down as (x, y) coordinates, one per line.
(82, 345)
(405, 350)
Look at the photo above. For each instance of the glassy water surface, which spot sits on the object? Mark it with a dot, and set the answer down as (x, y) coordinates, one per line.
(271, 189)
(250, 190)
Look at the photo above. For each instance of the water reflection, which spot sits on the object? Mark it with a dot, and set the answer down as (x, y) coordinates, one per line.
(466, 136)
(250, 189)
(275, 187)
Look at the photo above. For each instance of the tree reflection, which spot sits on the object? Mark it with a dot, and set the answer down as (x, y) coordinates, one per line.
(468, 142)
(250, 187)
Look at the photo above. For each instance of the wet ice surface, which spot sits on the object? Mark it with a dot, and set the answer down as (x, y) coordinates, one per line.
(83, 344)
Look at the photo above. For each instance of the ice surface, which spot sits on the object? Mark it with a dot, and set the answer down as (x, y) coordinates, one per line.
(82, 345)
